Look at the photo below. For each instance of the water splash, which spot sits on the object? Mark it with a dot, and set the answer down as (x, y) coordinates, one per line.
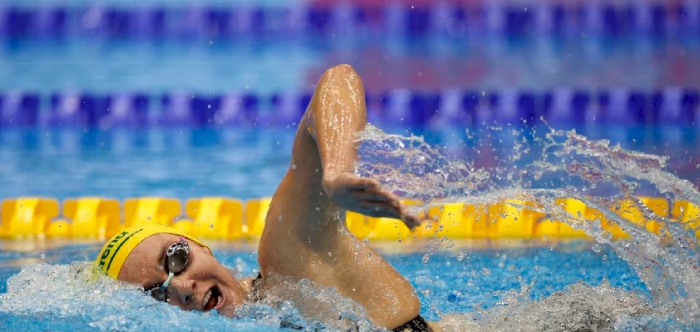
(74, 296)
(542, 167)
(305, 305)
(579, 308)
(398, 160)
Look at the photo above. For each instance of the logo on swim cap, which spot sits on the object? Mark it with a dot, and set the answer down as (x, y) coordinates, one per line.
(115, 252)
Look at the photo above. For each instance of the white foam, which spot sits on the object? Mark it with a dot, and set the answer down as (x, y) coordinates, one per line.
(543, 167)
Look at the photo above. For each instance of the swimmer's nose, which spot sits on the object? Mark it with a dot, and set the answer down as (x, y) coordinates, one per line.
(183, 291)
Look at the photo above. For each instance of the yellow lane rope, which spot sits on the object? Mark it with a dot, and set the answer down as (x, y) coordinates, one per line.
(233, 219)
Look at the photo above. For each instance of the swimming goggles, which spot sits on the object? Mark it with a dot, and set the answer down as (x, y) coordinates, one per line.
(176, 258)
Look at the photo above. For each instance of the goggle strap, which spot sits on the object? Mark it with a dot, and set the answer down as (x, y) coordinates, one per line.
(167, 282)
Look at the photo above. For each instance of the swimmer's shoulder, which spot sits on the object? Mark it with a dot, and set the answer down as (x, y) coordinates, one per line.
(252, 287)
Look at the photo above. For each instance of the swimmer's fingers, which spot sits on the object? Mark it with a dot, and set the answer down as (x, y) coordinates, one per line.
(389, 201)
(379, 209)
(390, 210)
(412, 221)
(363, 195)
(377, 195)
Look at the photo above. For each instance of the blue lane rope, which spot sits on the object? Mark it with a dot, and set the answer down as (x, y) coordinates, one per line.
(559, 106)
(450, 18)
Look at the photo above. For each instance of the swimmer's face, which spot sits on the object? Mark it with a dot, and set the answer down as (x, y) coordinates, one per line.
(204, 278)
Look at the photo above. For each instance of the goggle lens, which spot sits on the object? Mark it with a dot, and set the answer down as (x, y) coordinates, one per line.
(176, 259)
(159, 293)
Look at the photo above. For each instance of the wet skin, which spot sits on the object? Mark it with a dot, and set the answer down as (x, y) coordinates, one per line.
(305, 235)
(145, 266)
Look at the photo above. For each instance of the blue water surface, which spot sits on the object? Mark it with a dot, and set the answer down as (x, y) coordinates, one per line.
(467, 276)
(249, 162)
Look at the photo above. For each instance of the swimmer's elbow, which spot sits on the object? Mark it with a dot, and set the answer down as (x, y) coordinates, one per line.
(342, 69)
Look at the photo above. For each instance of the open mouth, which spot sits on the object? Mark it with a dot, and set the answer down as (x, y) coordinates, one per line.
(211, 298)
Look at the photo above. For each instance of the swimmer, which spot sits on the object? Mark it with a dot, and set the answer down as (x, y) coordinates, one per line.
(305, 234)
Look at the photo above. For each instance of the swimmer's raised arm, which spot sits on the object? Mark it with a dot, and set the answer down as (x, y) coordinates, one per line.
(305, 235)
(335, 117)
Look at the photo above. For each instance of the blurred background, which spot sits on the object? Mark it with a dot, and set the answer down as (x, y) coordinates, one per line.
(187, 98)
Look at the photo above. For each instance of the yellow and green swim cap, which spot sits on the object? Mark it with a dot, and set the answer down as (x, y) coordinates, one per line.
(114, 253)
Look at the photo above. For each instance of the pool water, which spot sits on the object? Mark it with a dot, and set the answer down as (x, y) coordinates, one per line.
(248, 163)
(648, 282)
(468, 277)
(629, 284)
(267, 65)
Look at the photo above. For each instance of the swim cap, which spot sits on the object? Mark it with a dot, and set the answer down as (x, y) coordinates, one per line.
(117, 249)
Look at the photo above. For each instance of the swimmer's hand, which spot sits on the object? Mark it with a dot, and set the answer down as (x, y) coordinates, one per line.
(366, 196)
